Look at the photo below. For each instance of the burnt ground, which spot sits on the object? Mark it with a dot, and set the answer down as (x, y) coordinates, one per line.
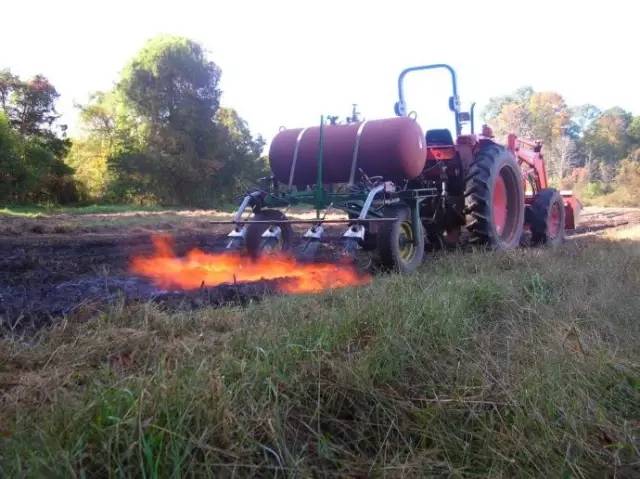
(46, 277)
(63, 265)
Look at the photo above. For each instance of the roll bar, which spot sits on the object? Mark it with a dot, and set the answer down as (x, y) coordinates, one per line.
(454, 99)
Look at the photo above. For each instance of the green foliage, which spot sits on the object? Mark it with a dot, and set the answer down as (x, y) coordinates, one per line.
(595, 188)
(627, 185)
(11, 170)
(606, 139)
(623, 190)
(88, 158)
(633, 132)
(32, 106)
(31, 152)
(160, 135)
(578, 137)
(581, 118)
(537, 115)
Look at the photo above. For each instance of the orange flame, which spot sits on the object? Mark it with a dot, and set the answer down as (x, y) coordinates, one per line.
(198, 268)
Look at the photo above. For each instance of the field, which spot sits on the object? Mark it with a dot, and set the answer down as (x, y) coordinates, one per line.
(483, 364)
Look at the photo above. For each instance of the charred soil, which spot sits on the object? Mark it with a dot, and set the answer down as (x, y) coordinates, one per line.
(64, 265)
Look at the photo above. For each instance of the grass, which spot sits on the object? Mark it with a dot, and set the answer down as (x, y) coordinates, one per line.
(35, 211)
(621, 197)
(519, 364)
(17, 220)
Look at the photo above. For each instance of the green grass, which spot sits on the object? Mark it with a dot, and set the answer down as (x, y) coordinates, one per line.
(520, 364)
(34, 211)
(97, 218)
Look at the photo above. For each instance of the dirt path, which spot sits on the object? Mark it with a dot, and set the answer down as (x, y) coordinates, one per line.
(594, 219)
(47, 271)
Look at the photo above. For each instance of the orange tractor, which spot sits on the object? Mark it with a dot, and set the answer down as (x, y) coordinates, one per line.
(404, 191)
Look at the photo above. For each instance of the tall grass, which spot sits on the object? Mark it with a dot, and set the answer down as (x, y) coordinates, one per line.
(520, 364)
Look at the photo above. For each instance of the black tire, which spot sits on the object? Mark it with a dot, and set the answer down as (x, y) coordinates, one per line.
(499, 230)
(547, 218)
(399, 247)
(254, 241)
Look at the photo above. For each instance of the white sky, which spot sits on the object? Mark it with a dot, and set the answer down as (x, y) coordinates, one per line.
(287, 62)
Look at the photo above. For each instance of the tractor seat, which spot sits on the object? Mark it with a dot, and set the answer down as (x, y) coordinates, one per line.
(439, 137)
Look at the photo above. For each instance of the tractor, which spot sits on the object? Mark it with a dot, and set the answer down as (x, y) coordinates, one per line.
(403, 191)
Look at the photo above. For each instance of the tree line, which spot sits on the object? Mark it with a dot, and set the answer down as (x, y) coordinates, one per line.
(160, 136)
(32, 145)
(585, 147)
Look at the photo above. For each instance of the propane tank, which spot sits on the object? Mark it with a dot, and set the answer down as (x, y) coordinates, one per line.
(393, 148)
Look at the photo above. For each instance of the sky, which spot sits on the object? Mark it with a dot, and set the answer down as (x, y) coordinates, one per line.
(284, 63)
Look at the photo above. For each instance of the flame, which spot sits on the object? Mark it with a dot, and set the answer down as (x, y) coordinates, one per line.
(198, 268)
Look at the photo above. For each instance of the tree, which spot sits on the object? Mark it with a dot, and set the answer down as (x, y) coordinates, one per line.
(8, 83)
(513, 118)
(549, 116)
(30, 109)
(607, 136)
(565, 152)
(160, 134)
(536, 115)
(541, 115)
(32, 151)
(88, 157)
(172, 91)
(243, 152)
(581, 118)
(495, 105)
(106, 132)
(12, 171)
(33, 110)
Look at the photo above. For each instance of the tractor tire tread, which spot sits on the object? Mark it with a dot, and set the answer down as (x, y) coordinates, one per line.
(386, 242)
(478, 196)
(539, 214)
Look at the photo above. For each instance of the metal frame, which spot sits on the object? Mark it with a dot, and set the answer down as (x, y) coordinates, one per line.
(454, 105)
(356, 149)
(295, 156)
(364, 199)
(472, 117)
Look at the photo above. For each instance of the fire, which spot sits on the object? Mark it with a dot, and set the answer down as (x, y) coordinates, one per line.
(198, 268)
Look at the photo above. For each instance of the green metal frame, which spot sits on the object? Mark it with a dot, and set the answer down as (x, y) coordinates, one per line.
(320, 197)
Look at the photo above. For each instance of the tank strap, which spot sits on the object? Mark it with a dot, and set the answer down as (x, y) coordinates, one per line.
(295, 156)
(356, 147)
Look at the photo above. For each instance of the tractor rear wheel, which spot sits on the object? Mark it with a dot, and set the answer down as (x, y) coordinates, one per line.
(257, 245)
(546, 215)
(494, 197)
(400, 246)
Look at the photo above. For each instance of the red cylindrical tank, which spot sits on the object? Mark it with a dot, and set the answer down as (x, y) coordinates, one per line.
(393, 148)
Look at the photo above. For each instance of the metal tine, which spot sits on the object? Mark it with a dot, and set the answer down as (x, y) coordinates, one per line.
(313, 238)
(277, 222)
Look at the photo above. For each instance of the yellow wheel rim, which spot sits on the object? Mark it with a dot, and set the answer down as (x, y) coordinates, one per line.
(407, 246)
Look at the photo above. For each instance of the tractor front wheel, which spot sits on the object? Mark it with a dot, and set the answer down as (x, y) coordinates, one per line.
(400, 246)
(546, 218)
(494, 197)
(281, 241)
